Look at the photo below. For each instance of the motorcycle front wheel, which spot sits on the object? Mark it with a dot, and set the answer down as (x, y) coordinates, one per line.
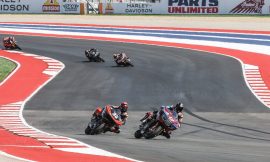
(102, 60)
(131, 64)
(138, 134)
(17, 47)
(88, 130)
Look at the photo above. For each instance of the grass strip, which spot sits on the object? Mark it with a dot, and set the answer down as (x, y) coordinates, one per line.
(6, 67)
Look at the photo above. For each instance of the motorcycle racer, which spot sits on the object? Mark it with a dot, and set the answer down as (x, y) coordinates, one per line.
(10, 44)
(93, 52)
(122, 108)
(151, 117)
(120, 57)
(8, 41)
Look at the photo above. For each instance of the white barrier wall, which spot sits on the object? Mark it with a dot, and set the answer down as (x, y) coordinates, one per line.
(39, 6)
(190, 7)
(160, 7)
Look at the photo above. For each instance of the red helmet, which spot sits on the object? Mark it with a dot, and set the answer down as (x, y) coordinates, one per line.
(124, 106)
(98, 110)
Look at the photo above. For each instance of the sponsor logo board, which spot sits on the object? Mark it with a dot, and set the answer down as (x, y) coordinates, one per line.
(193, 6)
(249, 7)
(138, 8)
(70, 6)
(14, 6)
(51, 6)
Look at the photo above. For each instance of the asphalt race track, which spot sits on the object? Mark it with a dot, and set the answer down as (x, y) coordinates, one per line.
(223, 119)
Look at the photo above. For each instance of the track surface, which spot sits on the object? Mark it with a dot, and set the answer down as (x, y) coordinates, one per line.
(223, 121)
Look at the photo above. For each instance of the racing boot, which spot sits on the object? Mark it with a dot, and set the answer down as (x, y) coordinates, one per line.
(166, 134)
(115, 130)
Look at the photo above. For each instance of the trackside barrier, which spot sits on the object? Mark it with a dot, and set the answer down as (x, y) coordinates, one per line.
(256, 7)
(188, 7)
(41, 6)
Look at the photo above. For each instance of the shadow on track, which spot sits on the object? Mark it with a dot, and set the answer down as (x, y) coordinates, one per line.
(223, 124)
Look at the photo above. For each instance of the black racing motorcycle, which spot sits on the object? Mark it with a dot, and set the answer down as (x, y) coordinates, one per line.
(93, 56)
(165, 121)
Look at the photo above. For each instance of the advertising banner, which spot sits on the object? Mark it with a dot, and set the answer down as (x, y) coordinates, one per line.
(190, 7)
(193, 7)
(70, 7)
(246, 7)
(39, 6)
(132, 8)
(16, 6)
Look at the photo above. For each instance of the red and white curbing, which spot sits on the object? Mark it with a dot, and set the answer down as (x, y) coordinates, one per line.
(11, 119)
(255, 81)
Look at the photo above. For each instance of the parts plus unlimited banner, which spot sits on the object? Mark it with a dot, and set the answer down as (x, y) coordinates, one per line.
(39, 6)
(190, 7)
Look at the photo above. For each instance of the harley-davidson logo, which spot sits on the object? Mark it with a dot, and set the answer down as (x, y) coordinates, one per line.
(249, 6)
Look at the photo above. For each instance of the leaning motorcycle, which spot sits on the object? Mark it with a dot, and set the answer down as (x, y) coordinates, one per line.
(126, 62)
(11, 46)
(93, 58)
(166, 120)
(109, 118)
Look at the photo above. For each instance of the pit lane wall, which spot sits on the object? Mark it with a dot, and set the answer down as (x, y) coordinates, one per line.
(40, 6)
(189, 7)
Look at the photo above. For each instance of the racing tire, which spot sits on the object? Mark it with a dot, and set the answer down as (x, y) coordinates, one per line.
(138, 134)
(88, 130)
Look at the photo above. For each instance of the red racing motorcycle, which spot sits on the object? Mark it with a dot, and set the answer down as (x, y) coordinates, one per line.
(10, 44)
(110, 118)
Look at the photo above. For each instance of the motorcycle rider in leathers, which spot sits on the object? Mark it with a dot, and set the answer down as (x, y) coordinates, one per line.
(93, 53)
(124, 115)
(9, 40)
(120, 57)
(153, 116)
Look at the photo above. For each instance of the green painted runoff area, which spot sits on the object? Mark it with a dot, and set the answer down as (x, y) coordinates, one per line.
(6, 67)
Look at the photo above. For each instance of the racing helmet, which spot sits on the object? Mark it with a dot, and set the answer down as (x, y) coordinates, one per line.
(114, 56)
(93, 49)
(11, 38)
(87, 51)
(98, 110)
(124, 106)
(179, 107)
